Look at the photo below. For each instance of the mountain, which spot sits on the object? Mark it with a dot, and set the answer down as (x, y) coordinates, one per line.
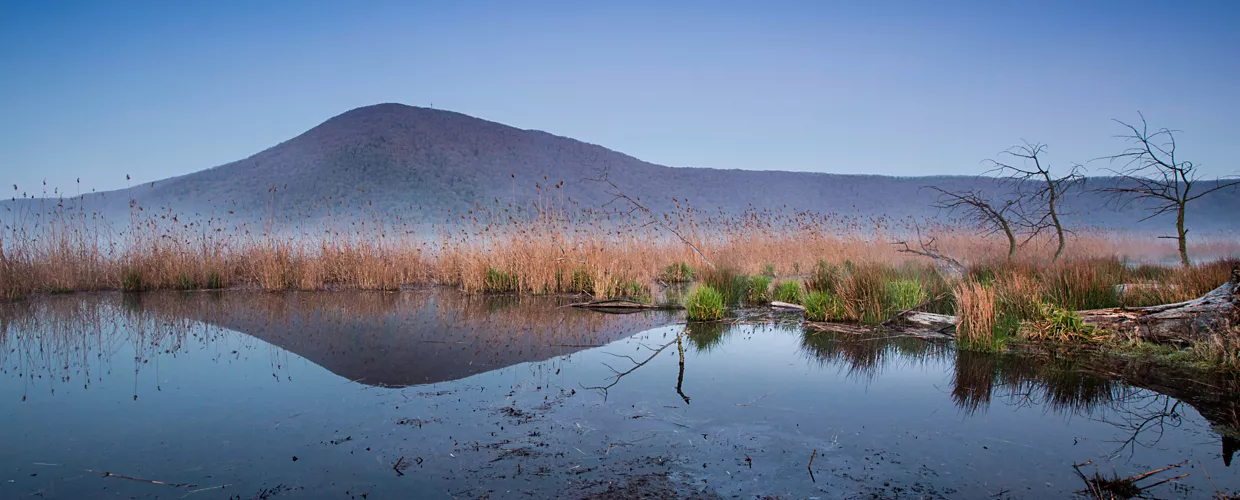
(393, 157)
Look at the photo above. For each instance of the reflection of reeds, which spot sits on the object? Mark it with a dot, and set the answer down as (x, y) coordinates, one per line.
(864, 356)
(974, 380)
(1057, 384)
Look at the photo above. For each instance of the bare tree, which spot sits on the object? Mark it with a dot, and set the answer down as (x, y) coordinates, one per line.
(930, 248)
(991, 216)
(1151, 173)
(1038, 191)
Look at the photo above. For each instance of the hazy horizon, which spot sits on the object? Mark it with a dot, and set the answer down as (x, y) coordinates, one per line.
(906, 89)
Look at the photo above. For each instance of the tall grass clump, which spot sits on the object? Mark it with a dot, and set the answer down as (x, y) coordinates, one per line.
(497, 281)
(976, 317)
(704, 303)
(788, 291)
(905, 294)
(729, 283)
(678, 272)
(1084, 284)
(1219, 350)
(826, 277)
(759, 291)
(822, 306)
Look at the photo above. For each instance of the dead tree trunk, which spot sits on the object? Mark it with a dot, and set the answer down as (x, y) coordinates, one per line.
(1215, 312)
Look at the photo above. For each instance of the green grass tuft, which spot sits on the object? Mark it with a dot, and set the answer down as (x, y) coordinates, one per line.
(822, 306)
(789, 291)
(704, 303)
(131, 281)
(500, 282)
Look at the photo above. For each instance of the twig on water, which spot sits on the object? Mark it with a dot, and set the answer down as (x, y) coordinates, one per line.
(200, 490)
(151, 481)
(1102, 488)
(810, 465)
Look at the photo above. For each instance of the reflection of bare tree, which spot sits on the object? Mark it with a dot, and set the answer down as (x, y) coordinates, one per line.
(618, 375)
(1144, 417)
(680, 377)
(1141, 403)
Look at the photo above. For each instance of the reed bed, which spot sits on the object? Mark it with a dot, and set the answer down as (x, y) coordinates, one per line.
(550, 246)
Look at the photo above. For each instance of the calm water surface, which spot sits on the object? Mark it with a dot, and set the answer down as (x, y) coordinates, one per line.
(430, 394)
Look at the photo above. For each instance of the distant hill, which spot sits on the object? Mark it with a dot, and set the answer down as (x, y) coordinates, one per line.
(394, 156)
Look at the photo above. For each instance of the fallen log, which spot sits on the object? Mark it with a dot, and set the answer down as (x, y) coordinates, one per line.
(1214, 312)
(620, 306)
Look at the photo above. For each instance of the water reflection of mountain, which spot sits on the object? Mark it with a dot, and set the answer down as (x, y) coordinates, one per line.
(381, 339)
(1139, 398)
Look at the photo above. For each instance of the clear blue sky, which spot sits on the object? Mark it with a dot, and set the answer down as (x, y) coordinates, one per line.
(98, 90)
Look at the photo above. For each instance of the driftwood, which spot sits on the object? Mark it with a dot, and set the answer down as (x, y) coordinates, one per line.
(620, 306)
(1216, 311)
(787, 306)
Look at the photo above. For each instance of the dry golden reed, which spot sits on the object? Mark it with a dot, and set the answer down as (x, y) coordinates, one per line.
(542, 248)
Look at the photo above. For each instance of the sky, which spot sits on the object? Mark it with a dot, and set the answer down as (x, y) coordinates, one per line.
(97, 91)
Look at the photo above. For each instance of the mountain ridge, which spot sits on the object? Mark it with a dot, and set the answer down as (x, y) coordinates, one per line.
(395, 157)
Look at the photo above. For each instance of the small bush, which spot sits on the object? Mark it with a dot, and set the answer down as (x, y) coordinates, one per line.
(822, 306)
(500, 282)
(677, 273)
(131, 281)
(759, 290)
(704, 303)
(788, 291)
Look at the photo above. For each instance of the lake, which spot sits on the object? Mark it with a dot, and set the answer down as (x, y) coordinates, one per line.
(435, 394)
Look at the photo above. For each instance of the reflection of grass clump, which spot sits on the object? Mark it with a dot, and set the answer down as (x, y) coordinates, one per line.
(704, 304)
(705, 336)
